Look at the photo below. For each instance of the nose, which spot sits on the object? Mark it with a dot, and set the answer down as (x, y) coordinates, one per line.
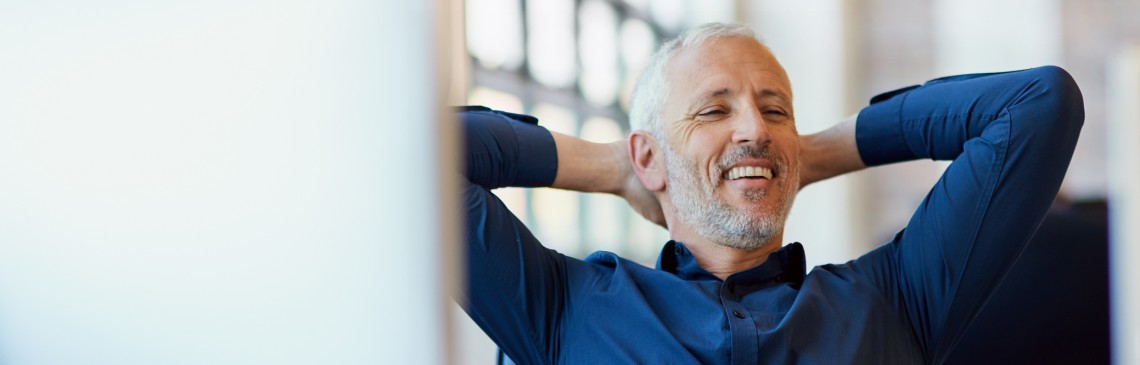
(751, 128)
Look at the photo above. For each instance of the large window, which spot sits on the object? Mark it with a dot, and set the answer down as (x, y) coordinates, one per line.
(572, 64)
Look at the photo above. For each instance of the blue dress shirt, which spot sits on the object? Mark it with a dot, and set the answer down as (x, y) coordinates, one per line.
(1010, 136)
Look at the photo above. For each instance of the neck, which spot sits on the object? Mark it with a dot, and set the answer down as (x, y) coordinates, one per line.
(723, 261)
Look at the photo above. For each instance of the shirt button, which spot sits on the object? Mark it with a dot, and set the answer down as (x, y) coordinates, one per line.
(737, 314)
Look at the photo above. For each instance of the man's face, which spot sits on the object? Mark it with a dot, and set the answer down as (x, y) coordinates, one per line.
(731, 149)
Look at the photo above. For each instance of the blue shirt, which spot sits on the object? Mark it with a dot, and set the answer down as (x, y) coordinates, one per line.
(1010, 136)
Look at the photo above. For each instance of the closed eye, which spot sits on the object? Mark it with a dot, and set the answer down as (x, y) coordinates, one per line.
(711, 112)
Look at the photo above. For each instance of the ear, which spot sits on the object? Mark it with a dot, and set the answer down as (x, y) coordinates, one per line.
(648, 162)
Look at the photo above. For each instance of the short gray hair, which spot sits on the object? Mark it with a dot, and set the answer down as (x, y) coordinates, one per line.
(652, 89)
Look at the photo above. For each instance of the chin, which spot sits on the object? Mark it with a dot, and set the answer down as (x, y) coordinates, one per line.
(747, 243)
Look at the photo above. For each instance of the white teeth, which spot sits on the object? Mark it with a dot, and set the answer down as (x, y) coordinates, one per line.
(749, 171)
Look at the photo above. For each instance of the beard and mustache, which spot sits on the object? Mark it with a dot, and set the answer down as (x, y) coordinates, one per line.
(710, 215)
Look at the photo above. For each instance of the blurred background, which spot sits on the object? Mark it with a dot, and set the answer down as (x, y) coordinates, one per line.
(572, 64)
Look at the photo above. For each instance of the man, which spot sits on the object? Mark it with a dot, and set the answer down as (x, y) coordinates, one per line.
(716, 158)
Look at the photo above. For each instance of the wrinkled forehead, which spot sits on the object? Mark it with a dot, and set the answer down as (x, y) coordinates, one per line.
(727, 62)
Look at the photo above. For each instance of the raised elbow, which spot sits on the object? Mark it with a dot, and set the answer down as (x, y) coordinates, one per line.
(1061, 95)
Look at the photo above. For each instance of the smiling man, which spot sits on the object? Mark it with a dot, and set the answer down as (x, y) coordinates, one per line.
(726, 151)
(715, 157)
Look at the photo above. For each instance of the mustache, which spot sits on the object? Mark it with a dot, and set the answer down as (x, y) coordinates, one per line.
(749, 151)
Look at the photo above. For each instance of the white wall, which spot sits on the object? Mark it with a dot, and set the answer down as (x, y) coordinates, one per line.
(995, 35)
(222, 182)
(1123, 75)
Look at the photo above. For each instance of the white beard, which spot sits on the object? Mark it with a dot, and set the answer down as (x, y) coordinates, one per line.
(699, 207)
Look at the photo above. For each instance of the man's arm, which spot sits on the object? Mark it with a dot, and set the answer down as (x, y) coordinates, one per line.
(1010, 136)
(517, 289)
(603, 168)
(829, 153)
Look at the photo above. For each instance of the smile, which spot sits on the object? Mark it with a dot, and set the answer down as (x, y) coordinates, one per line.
(748, 171)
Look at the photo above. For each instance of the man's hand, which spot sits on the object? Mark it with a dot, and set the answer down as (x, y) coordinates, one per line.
(643, 201)
(829, 153)
(603, 168)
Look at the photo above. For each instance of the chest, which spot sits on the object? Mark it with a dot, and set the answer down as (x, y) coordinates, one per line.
(826, 320)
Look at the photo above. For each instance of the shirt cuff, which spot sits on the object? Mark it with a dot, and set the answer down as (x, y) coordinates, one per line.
(879, 134)
(537, 155)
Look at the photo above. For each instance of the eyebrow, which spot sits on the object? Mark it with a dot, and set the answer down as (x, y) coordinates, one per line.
(724, 91)
(774, 93)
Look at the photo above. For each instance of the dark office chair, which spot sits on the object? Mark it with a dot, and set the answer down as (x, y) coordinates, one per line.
(1052, 308)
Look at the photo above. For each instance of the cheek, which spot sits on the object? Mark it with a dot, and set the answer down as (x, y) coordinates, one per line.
(790, 144)
(702, 149)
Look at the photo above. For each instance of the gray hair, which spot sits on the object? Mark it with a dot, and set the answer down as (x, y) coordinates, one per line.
(652, 89)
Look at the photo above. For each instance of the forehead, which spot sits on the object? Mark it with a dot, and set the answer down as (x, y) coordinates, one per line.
(726, 63)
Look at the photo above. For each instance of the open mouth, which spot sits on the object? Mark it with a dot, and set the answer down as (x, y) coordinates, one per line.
(748, 172)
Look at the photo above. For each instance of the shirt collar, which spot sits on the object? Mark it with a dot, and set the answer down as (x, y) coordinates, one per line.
(785, 265)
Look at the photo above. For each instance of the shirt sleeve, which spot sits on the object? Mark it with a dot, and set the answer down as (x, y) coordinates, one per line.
(506, 149)
(1011, 137)
(515, 289)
